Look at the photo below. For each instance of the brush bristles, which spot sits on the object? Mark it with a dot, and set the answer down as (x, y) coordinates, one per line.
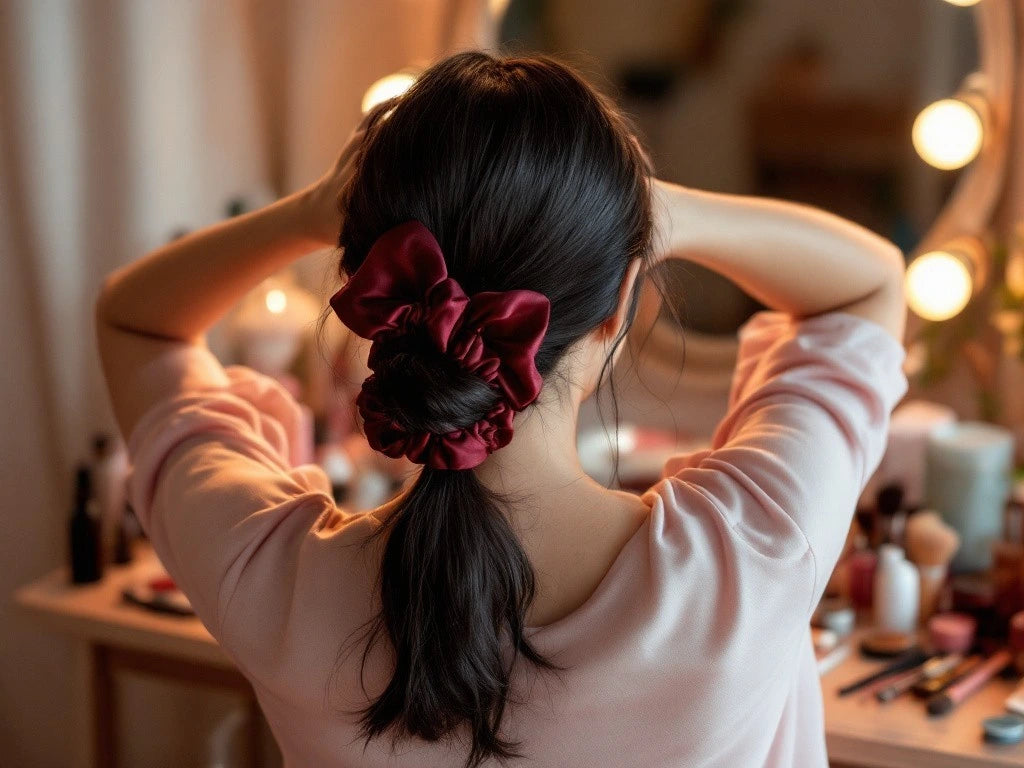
(929, 540)
(939, 704)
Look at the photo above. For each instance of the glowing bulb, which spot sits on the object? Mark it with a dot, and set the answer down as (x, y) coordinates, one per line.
(948, 134)
(498, 7)
(387, 87)
(1015, 275)
(963, 3)
(938, 285)
(276, 301)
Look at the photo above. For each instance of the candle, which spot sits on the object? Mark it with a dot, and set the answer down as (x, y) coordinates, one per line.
(967, 481)
(905, 456)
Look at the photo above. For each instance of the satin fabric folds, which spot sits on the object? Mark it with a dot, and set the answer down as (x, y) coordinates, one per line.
(403, 285)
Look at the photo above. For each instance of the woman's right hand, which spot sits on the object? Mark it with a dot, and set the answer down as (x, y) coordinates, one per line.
(667, 208)
(790, 257)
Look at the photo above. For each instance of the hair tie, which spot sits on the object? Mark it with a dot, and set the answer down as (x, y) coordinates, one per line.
(403, 284)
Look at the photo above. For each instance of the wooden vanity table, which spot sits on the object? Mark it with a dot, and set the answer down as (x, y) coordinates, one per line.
(117, 636)
(860, 733)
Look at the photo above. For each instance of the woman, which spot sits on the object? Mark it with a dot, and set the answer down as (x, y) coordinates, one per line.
(497, 221)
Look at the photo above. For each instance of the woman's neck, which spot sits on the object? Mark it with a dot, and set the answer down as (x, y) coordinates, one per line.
(541, 456)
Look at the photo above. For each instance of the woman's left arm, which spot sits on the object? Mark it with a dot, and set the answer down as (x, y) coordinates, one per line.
(174, 294)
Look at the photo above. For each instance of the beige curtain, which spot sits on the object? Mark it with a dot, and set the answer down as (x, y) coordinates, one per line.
(123, 121)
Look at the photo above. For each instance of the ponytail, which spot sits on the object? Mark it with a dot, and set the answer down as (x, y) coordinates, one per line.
(453, 581)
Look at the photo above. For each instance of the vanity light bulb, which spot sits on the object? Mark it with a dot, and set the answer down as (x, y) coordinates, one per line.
(277, 301)
(1015, 274)
(948, 134)
(387, 87)
(938, 285)
(963, 3)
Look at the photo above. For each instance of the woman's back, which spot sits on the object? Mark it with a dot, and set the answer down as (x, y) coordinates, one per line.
(692, 651)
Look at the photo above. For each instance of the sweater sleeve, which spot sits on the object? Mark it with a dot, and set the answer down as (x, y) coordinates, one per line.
(213, 480)
(806, 426)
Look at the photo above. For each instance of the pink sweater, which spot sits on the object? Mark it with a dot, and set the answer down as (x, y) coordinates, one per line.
(693, 651)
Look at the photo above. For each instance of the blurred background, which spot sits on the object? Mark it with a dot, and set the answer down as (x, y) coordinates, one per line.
(128, 122)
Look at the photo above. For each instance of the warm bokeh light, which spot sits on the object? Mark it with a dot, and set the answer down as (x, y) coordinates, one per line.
(1015, 274)
(387, 88)
(963, 2)
(938, 285)
(277, 301)
(948, 134)
(498, 7)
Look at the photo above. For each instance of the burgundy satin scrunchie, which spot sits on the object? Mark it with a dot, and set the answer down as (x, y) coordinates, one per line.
(403, 283)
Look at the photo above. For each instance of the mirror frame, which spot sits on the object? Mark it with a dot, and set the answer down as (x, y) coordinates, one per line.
(972, 204)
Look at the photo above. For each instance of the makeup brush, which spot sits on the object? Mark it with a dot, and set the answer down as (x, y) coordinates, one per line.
(941, 703)
(931, 545)
(890, 518)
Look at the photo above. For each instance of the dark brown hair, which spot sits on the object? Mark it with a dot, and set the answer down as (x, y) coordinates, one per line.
(528, 178)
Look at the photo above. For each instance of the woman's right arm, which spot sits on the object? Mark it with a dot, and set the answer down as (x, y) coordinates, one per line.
(813, 387)
(790, 257)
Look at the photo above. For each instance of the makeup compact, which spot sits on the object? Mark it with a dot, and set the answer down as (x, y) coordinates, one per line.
(884, 644)
(1005, 729)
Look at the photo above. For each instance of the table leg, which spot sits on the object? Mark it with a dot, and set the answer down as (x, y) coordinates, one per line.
(254, 732)
(104, 711)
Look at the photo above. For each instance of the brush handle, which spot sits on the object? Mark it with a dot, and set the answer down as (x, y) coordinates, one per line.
(915, 657)
(960, 690)
(932, 578)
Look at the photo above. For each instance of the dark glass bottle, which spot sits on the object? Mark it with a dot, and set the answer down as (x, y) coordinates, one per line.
(85, 534)
(123, 540)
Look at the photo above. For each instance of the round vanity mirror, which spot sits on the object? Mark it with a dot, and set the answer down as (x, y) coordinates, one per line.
(813, 101)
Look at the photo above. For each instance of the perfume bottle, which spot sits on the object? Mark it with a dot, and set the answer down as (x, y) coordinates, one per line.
(86, 565)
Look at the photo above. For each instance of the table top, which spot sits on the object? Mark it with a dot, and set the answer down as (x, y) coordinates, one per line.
(96, 612)
(859, 731)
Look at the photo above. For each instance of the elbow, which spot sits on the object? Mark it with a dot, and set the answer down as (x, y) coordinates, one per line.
(891, 268)
(895, 265)
(103, 305)
(890, 297)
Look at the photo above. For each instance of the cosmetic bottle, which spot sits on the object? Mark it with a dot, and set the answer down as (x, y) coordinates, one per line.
(862, 565)
(110, 475)
(123, 539)
(1008, 563)
(896, 591)
(1016, 641)
(86, 565)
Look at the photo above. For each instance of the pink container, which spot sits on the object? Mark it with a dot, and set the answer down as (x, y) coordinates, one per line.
(951, 632)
